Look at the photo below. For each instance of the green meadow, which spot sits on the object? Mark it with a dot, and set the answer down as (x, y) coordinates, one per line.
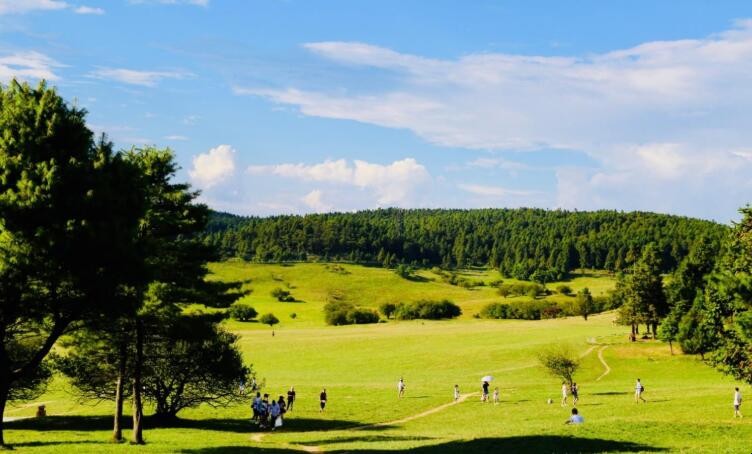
(688, 410)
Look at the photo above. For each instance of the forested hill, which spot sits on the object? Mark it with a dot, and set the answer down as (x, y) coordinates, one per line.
(522, 242)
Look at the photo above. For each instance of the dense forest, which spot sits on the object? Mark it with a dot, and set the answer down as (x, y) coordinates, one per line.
(536, 244)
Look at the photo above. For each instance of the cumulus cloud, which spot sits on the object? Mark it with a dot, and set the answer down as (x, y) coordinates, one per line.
(663, 114)
(214, 166)
(314, 201)
(27, 65)
(134, 77)
(393, 183)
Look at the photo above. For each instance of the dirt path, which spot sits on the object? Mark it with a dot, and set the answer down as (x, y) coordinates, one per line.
(259, 437)
(603, 361)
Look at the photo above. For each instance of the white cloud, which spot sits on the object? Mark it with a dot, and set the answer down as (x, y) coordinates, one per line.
(176, 138)
(392, 184)
(664, 115)
(314, 200)
(26, 6)
(214, 166)
(27, 65)
(134, 77)
(89, 10)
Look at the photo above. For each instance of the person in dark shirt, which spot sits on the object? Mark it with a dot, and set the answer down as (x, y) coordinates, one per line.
(290, 398)
(484, 398)
(322, 399)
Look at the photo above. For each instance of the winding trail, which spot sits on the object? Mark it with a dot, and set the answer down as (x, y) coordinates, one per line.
(259, 437)
(603, 361)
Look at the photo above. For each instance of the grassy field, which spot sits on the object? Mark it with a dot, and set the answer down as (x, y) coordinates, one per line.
(689, 408)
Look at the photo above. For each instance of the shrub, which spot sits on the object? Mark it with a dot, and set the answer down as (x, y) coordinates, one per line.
(564, 289)
(242, 312)
(282, 295)
(428, 310)
(293, 316)
(388, 309)
(341, 313)
(269, 319)
(404, 271)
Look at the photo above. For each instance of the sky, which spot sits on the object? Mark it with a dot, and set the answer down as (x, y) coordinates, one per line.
(300, 106)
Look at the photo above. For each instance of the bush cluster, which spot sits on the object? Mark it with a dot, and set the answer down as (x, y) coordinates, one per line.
(342, 313)
(455, 279)
(541, 309)
(427, 310)
(242, 312)
(283, 295)
(530, 289)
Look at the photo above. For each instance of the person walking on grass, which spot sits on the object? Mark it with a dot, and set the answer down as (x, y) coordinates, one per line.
(496, 396)
(401, 388)
(322, 400)
(575, 391)
(255, 406)
(638, 390)
(484, 397)
(290, 398)
(737, 403)
(456, 393)
(564, 393)
(576, 418)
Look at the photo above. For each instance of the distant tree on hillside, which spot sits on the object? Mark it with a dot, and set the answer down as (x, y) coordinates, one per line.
(269, 319)
(584, 303)
(560, 361)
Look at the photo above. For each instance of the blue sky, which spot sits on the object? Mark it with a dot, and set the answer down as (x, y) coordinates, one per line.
(287, 106)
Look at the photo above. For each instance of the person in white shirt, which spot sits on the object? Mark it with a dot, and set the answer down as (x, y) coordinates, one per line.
(737, 403)
(456, 393)
(564, 392)
(638, 390)
(401, 388)
(576, 418)
(496, 396)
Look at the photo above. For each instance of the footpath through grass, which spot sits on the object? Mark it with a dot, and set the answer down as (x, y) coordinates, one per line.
(689, 408)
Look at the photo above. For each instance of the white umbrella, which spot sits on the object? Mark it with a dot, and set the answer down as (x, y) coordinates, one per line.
(487, 378)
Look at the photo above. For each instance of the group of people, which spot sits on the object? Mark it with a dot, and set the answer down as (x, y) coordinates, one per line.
(270, 414)
(484, 393)
(566, 390)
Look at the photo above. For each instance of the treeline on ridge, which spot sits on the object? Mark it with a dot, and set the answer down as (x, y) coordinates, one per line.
(536, 244)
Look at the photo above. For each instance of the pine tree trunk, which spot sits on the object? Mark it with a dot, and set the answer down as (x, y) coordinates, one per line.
(138, 408)
(117, 428)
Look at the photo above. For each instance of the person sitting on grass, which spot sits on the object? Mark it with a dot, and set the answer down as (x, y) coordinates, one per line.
(576, 418)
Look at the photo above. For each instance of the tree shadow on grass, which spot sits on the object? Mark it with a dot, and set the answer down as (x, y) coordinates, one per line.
(236, 425)
(522, 444)
(364, 439)
(611, 393)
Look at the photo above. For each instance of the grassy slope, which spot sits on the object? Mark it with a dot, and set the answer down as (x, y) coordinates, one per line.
(689, 408)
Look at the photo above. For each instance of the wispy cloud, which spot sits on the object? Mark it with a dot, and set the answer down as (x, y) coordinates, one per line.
(171, 2)
(29, 65)
(495, 191)
(176, 138)
(27, 6)
(136, 77)
(88, 10)
(664, 113)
